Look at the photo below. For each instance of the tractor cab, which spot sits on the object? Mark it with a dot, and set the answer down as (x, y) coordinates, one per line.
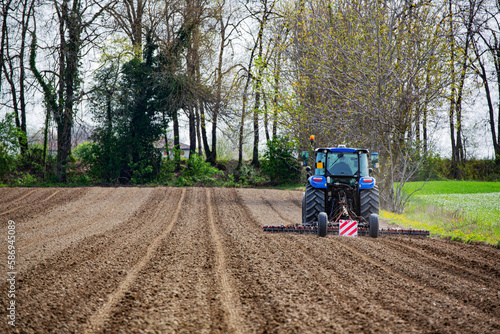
(344, 165)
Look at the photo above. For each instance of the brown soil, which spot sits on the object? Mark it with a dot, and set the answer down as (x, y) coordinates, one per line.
(195, 260)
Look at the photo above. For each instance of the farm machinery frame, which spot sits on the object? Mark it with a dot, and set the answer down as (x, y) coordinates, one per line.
(341, 196)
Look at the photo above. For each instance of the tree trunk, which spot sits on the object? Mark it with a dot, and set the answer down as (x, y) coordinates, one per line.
(218, 92)
(70, 28)
(165, 134)
(15, 80)
(27, 13)
(192, 131)
(191, 67)
(64, 127)
(5, 15)
(258, 88)
(255, 154)
(45, 141)
(244, 106)
(213, 152)
(50, 97)
(177, 145)
(451, 115)
(204, 137)
(266, 117)
(425, 111)
(240, 132)
(496, 139)
(463, 73)
(424, 130)
(198, 133)
(243, 115)
(494, 49)
(9, 76)
(277, 72)
(491, 112)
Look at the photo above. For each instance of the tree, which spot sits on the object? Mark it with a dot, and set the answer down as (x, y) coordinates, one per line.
(221, 29)
(461, 34)
(14, 50)
(126, 107)
(357, 72)
(486, 46)
(193, 13)
(280, 161)
(244, 99)
(178, 89)
(138, 127)
(128, 16)
(104, 104)
(75, 21)
(262, 16)
(9, 144)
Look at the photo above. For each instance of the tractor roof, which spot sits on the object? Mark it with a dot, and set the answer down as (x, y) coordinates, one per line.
(341, 149)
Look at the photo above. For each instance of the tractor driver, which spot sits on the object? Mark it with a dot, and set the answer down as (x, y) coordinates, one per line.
(340, 165)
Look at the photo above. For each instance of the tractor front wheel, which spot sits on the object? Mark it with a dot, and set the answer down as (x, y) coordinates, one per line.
(322, 224)
(373, 226)
(303, 208)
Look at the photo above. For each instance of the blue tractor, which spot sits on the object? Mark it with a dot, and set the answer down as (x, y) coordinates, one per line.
(341, 189)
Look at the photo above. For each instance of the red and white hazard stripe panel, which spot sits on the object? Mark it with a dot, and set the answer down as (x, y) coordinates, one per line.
(348, 228)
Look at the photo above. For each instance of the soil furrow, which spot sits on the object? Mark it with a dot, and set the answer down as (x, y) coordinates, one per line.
(235, 322)
(474, 274)
(9, 195)
(61, 292)
(434, 298)
(474, 257)
(25, 201)
(196, 260)
(338, 303)
(178, 290)
(39, 206)
(49, 235)
(21, 196)
(424, 320)
(459, 292)
(98, 319)
(296, 202)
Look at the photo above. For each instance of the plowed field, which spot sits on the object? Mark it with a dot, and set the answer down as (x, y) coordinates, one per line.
(195, 260)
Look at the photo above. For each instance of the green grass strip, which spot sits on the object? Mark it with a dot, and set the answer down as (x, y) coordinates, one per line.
(452, 187)
(464, 217)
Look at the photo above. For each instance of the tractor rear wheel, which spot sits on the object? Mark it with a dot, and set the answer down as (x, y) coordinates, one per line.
(373, 226)
(369, 202)
(314, 200)
(322, 224)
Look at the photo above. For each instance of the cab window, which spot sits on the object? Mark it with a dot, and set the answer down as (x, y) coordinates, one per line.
(363, 164)
(342, 164)
(320, 164)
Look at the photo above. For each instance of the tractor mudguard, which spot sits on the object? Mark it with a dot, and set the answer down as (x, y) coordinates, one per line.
(366, 182)
(317, 181)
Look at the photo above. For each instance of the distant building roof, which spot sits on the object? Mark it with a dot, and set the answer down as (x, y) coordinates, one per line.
(161, 144)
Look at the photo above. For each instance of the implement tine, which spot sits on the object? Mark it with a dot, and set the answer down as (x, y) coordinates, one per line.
(410, 232)
(335, 230)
